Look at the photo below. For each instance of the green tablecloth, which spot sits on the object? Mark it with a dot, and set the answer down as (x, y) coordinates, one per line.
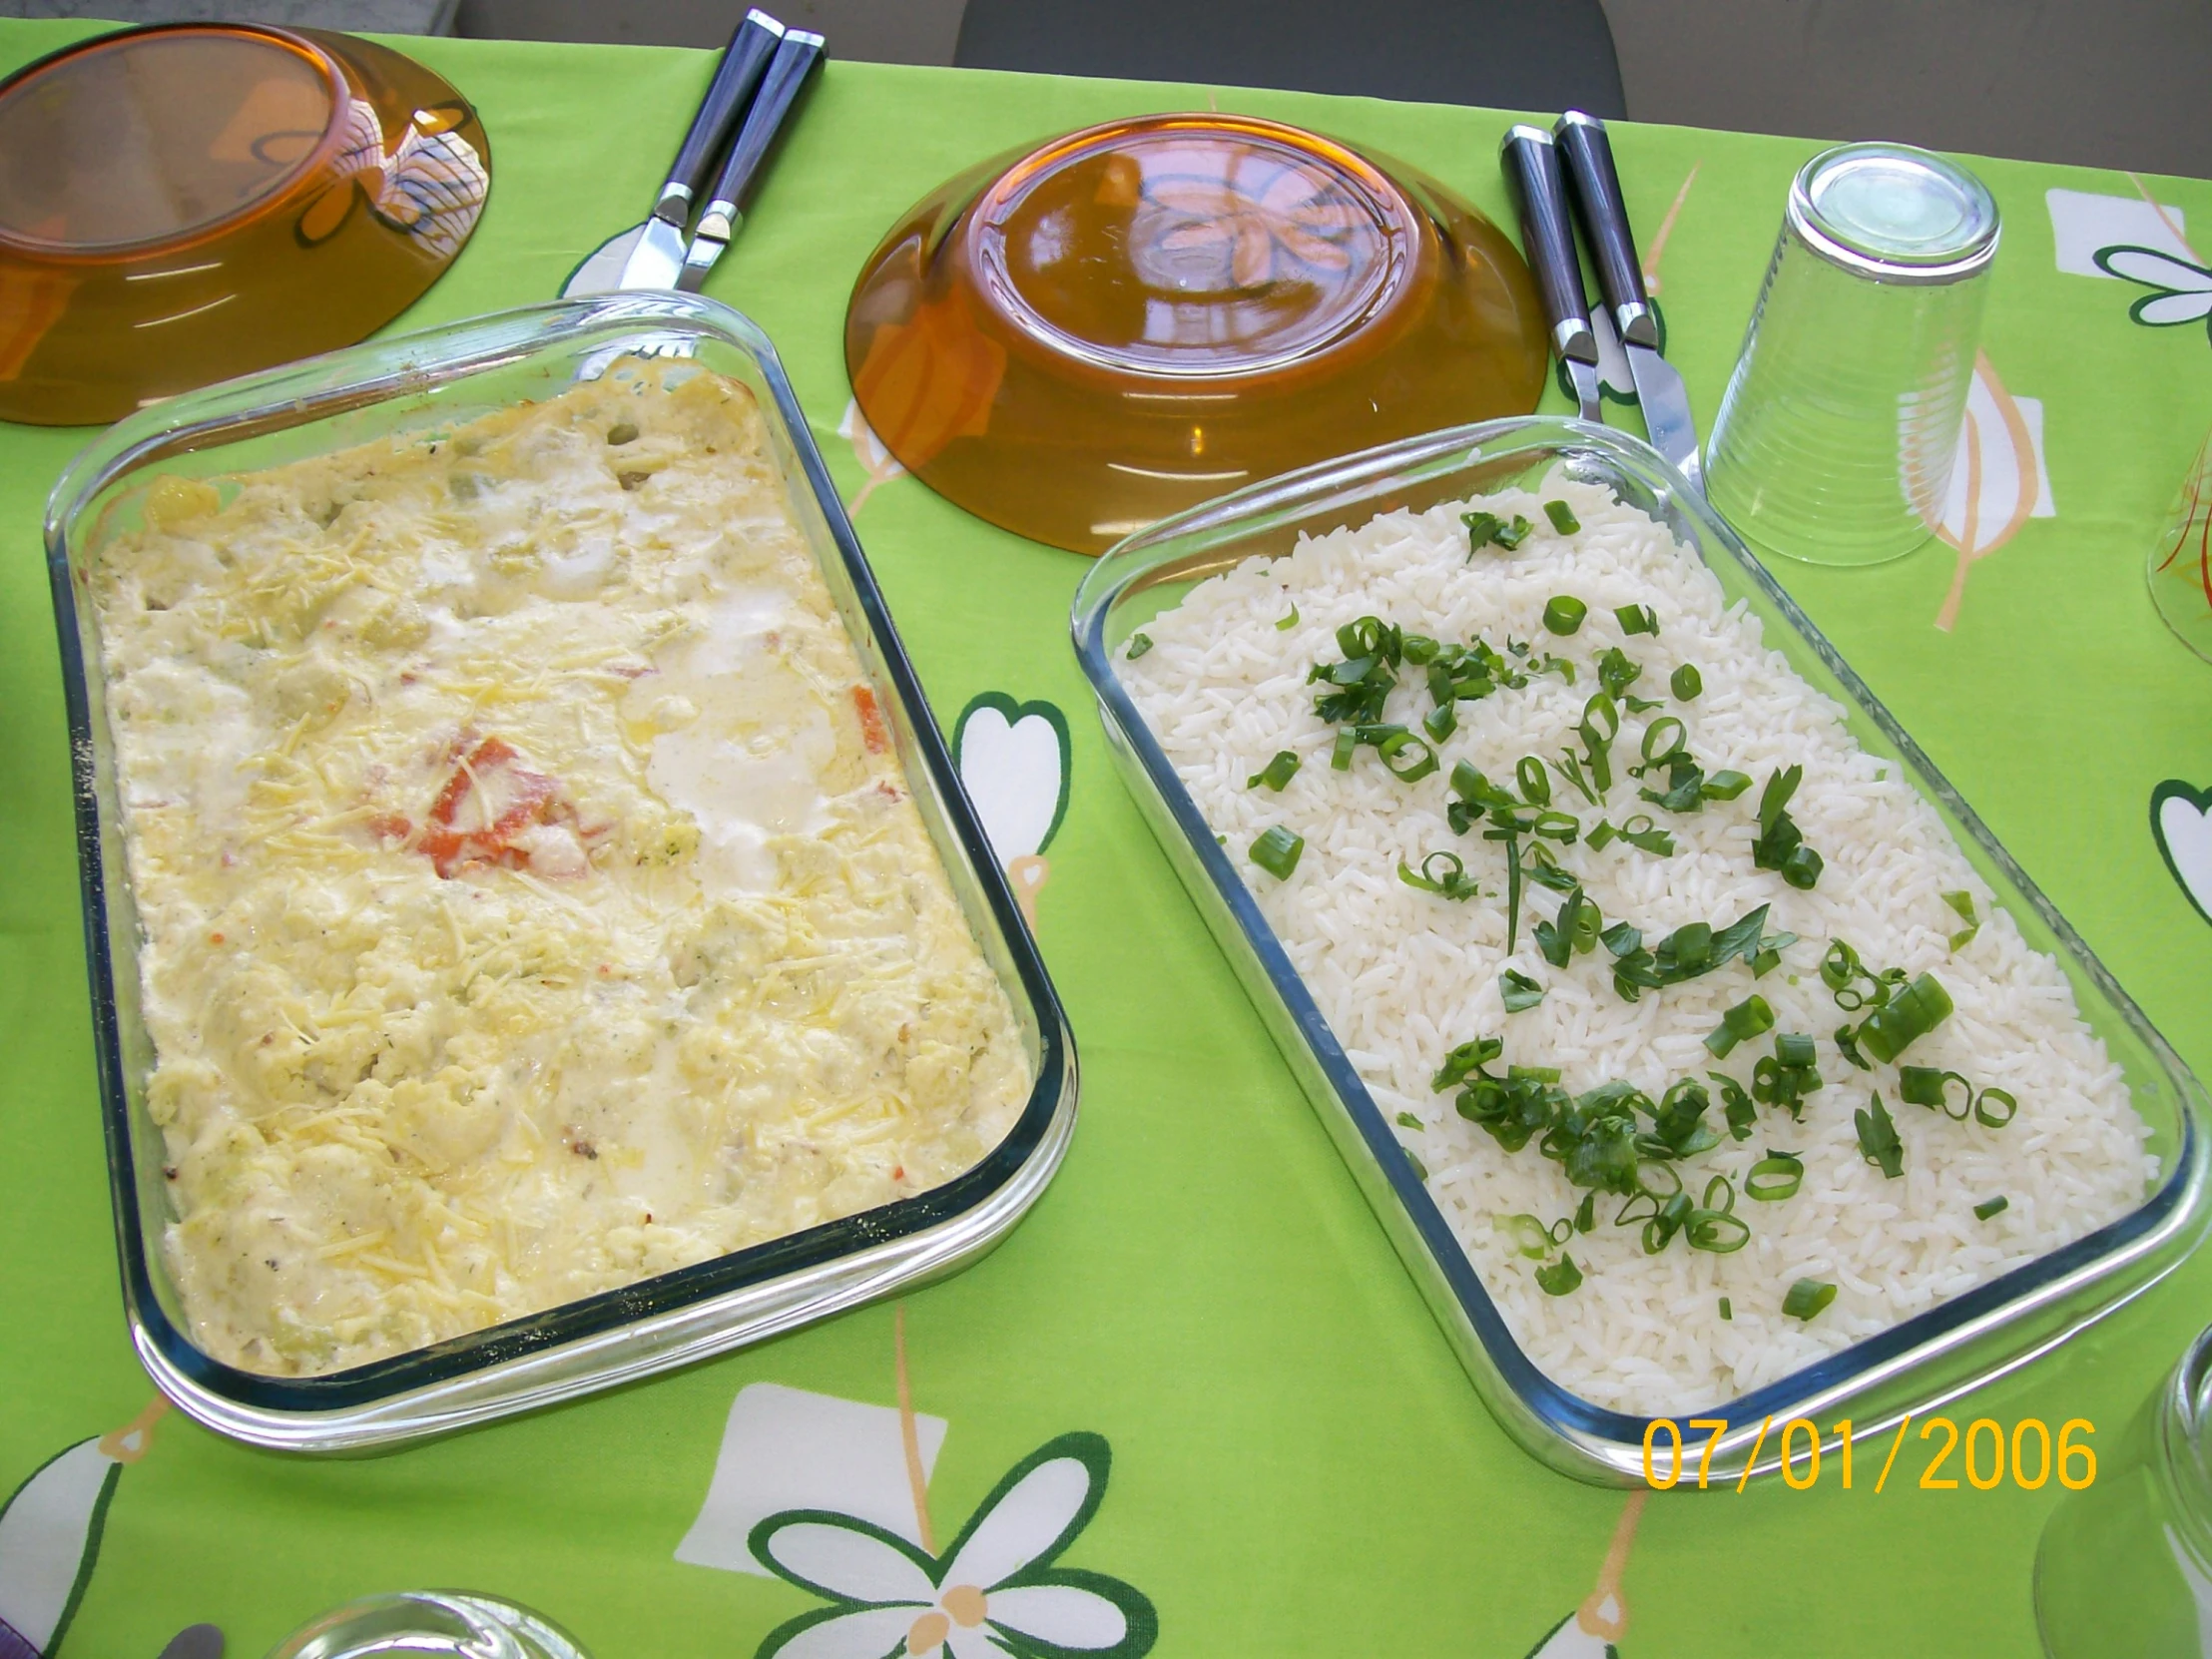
(1298, 1463)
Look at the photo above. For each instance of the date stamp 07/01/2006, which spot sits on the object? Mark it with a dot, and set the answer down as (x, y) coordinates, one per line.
(2030, 1455)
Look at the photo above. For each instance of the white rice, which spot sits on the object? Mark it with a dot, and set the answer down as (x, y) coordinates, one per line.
(1403, 975)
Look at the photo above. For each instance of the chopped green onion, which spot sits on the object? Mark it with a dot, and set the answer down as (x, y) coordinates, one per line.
(1736, 1106)
(1908, 1015)
(1420, 1170)
(1664, 739)
(1564, 614)
(1791, 1049)
(1288, 622)
(1139, 644)
(1562, 517)
(1616, 671)
(1926, 1086)
(1570, 768)
(1716, 1232)
(1526, 1235)
(1807, 1298)
(1642, 705)
(1517, 991)
(1452, 882)
(1724, 786)
(1637, 619)
(1513, 534)
(1480, 528)
(1585, 1217)
(1561, 1278)
(1562, 1229)
(1775, 1176)
(1991, 1206)
(1988, 1120)
(1623, 939)
(1347, 741)
(1276, 773)
(1847, 1040)
(1440, 722)
(1686, 684)
(1276, 851)
(1603, 835)
(1962, 902)
(1406, 1120)
(1878, 1139)
(1727, 1313)
(1536, 788)
(1781, 844)
(1650, 838)
(1401, 744)
(1749, 1018)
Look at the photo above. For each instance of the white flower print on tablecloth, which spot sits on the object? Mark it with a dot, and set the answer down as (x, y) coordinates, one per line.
(994, 1592)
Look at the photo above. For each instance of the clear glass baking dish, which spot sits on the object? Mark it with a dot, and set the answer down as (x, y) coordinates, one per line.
(1912, 1366)
(415, 383)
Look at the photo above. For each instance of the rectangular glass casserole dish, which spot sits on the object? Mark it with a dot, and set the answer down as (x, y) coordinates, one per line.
(1927, 1358)
(408, 385)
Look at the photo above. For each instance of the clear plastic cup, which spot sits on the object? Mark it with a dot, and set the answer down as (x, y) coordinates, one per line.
(2125, 1563)
(1836, 437)
(427, 1623)
(2181, 558)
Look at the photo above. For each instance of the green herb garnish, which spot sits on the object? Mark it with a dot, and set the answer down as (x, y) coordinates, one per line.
(1276, 851)
(1488, 529)
(1637, 619)
(1406, 1120)
(1288, 622)
(1562, 517)
(1962, 902)
(1781, 844)
(1276, 773)
(1440, 722)
(1617, 671)
(1775, 1176)
(1749, 1018)
(1139, 644)
(1420, 1170)
(1561, 1278)
(1991, 1206)
(1517, 991)
(1736, 1106)
(1807, 1298)
(1988, 1119)
(1686, 683)
(1441, 874)
(1928, 1086)
(1564, 614)
(1878, 1139)
(1906, 1017)
(1727, 1313)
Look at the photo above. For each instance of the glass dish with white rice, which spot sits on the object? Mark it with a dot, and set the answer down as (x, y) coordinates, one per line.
(1694, 1061)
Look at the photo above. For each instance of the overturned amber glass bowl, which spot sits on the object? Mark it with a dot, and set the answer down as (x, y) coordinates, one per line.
(188, 202)
(1126, 322)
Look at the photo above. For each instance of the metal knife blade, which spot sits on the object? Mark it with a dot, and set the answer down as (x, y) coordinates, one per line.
(1597, 198)
(656, 260)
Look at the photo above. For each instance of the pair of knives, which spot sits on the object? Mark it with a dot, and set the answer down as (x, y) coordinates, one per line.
(1540, 186)
(764, 73)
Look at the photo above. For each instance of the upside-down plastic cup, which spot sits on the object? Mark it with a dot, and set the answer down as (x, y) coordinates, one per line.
(1835, 438)
(2125, 1563)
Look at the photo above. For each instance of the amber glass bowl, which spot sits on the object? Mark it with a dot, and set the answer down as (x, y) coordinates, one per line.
(185, 203)
(1128, 321)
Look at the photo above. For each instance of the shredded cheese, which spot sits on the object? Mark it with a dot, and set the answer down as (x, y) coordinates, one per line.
(531, 902)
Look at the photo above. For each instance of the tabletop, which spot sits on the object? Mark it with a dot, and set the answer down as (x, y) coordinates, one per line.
(1277, 1451)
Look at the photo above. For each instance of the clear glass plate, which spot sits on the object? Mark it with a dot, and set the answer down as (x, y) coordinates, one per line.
(392, 388)
(1913, 1366)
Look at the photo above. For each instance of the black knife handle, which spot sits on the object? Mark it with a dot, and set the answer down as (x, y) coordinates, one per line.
(1531, 168)
(1597, 197)
(797, 56)
(744, 61)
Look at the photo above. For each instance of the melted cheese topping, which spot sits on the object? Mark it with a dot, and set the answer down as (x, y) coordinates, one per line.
(532, 901)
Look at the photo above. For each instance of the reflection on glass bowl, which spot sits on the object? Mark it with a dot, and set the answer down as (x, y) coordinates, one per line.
(190, 202)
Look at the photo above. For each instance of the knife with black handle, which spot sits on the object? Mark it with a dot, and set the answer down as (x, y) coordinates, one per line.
(1596, 189)
(659, 254)
(789, 76)
(1531, 166)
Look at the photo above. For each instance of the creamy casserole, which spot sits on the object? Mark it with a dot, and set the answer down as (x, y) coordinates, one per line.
(533, 900)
